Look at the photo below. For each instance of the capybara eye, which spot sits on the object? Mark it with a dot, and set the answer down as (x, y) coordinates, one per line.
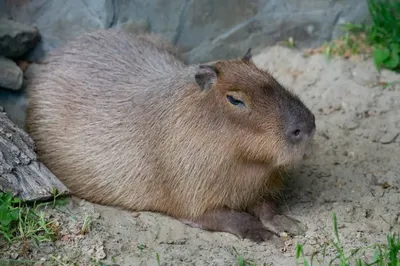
(235, 101)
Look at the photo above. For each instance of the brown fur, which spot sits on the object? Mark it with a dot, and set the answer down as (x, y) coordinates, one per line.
(121, 121)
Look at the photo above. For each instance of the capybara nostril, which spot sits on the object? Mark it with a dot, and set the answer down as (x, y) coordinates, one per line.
(299, 131)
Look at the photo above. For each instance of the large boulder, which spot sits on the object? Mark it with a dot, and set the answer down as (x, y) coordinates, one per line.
(11, 75)
(228, 30)
(204, 29)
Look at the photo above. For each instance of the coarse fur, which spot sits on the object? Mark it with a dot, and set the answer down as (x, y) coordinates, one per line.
(122, 121)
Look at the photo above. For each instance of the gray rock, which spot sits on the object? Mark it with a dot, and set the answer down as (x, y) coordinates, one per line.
(351, 124)
(16, 38)
(228, 30)
(205, 30)
(31, 71)
(389, 137)
(11, 75)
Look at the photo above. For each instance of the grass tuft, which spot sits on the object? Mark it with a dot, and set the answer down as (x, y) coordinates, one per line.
(384, 33)
(26, 222)
(381, 39)
(387, 254)
(87, 222)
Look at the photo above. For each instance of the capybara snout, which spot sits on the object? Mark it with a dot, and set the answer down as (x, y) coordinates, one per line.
(299, 126)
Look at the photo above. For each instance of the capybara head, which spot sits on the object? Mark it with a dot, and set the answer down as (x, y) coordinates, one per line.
(272, 124)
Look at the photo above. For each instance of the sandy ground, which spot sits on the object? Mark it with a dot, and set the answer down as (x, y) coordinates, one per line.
(353, 170)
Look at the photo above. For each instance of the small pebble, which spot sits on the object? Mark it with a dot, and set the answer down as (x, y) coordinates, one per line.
(100, 254)
(359, 131)
(313, 242)
(389, 137)
(11, 75)
(283, 235)
(337, 107)
(95, 215)
(350, 125)
(308, 249)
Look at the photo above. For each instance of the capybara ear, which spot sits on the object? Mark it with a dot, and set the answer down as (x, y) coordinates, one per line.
(247, 57)
(206, 76)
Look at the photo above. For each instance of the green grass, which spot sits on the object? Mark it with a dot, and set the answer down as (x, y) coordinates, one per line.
(158, 259)
(26, 222)
(241, 261)
(87, 222)
(381, 39)
(384, 33)
(23, 222)
(387, 254)
(353, 42)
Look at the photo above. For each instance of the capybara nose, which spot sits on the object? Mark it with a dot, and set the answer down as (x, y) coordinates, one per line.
(300, 129)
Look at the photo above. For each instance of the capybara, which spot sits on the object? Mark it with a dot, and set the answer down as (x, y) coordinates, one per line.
(122, 121)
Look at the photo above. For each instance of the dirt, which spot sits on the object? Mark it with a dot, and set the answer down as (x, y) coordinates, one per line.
(353, 170)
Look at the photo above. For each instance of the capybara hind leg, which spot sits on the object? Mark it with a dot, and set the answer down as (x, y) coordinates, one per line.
(274, 220)
(240, 224)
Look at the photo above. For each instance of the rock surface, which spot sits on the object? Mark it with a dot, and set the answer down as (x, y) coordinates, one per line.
(205, 30)
(11, 75)
(16, 39)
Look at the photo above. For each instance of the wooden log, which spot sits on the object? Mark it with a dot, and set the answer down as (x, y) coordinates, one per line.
(21, 172)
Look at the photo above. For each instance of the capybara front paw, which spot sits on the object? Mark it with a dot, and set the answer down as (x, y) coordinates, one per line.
(257, 234)
(284, 224)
